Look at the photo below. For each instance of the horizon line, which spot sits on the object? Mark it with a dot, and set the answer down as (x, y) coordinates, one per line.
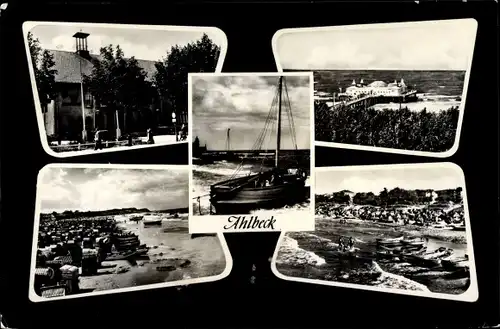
(388, 190)
(379, 69)
(82, 211)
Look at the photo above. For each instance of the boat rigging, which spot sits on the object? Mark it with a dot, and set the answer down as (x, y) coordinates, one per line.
(268, 188)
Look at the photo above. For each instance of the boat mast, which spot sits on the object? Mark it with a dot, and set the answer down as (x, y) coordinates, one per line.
(278, 133)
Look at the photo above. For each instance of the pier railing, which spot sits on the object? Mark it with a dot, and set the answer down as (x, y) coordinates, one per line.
(367, 100)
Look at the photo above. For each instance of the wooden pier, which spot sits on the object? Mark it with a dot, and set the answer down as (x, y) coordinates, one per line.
(368, 100)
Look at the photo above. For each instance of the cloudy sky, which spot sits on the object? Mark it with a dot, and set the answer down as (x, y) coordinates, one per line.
(100, 189)
(436, 178)
(242, 104)
(141, 43)
(445, 45)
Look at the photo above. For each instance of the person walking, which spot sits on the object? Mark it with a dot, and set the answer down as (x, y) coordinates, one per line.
(97, 140)
(150, 136)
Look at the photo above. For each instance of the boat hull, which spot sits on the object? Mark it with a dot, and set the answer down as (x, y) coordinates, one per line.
(202, 235)
(246, 199)
(152, 223)
(452, 265)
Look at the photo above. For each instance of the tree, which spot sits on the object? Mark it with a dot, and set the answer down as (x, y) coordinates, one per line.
(384, 197)
(362, 198)
(402, 196)
(171, 74)
(43, 66)
(341, 197)
(403, 129)
(118, 83)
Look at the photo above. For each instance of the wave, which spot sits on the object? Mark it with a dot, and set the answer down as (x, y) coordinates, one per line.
(394, 281)
(300, 209)
(225, 169)
(206, 175)
(372, 274)
(291, 253)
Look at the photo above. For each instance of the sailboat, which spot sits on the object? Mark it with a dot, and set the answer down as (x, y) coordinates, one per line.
(267, 189)
(152, 220)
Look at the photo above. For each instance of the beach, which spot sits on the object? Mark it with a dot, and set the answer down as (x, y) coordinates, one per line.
(314, 255)
(170, 246)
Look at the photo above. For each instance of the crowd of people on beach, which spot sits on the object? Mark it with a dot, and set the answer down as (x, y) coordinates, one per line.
(402, 215)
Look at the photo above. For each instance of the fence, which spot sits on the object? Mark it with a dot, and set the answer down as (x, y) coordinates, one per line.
(88, 146)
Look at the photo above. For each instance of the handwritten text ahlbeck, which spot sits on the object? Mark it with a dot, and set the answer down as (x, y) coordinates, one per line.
(242, 223)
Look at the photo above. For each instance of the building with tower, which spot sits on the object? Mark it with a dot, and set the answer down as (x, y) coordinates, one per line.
(63, 115)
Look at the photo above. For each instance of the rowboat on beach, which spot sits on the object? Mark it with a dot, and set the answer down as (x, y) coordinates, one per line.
(414, 251)
(201, 235)
(267, 189)
(136, 218)
(388, 254)
(455, 263)
(458, 227)
(390, 240)
(152, 220)
(390, 248)
(414, 241)
(442, 226)
(430, 259)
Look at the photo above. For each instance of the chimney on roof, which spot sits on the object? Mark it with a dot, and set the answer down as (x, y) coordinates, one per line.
(81, 44)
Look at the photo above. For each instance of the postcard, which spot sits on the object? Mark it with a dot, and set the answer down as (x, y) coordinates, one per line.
(251, 154)
(402, 229)
(392, 87)
(102, 229)
(112, 87)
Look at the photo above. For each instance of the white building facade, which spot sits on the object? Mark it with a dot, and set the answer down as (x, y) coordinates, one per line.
(376, 88)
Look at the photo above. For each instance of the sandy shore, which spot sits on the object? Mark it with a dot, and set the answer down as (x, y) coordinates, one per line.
(296, 262)
(313, 255)
(173, 256)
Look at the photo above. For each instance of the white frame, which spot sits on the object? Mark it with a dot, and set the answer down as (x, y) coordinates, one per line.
(28, 26)
(36, 298)
(472, 293)
(215, 223)
(444, 154)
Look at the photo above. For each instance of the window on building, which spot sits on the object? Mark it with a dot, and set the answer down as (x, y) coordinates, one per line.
(89, 100)
(73, 94)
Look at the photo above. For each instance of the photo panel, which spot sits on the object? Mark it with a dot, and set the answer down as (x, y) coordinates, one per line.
(392, 87)
(102, 229)
(402, 229)
(251, 154)
(132, 78)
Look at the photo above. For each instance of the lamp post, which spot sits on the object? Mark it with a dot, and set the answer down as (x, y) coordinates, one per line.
(84, 131)
(82, 51)
(174, 120)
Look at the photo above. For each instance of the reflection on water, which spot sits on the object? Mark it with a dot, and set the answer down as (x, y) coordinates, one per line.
(170, 241)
